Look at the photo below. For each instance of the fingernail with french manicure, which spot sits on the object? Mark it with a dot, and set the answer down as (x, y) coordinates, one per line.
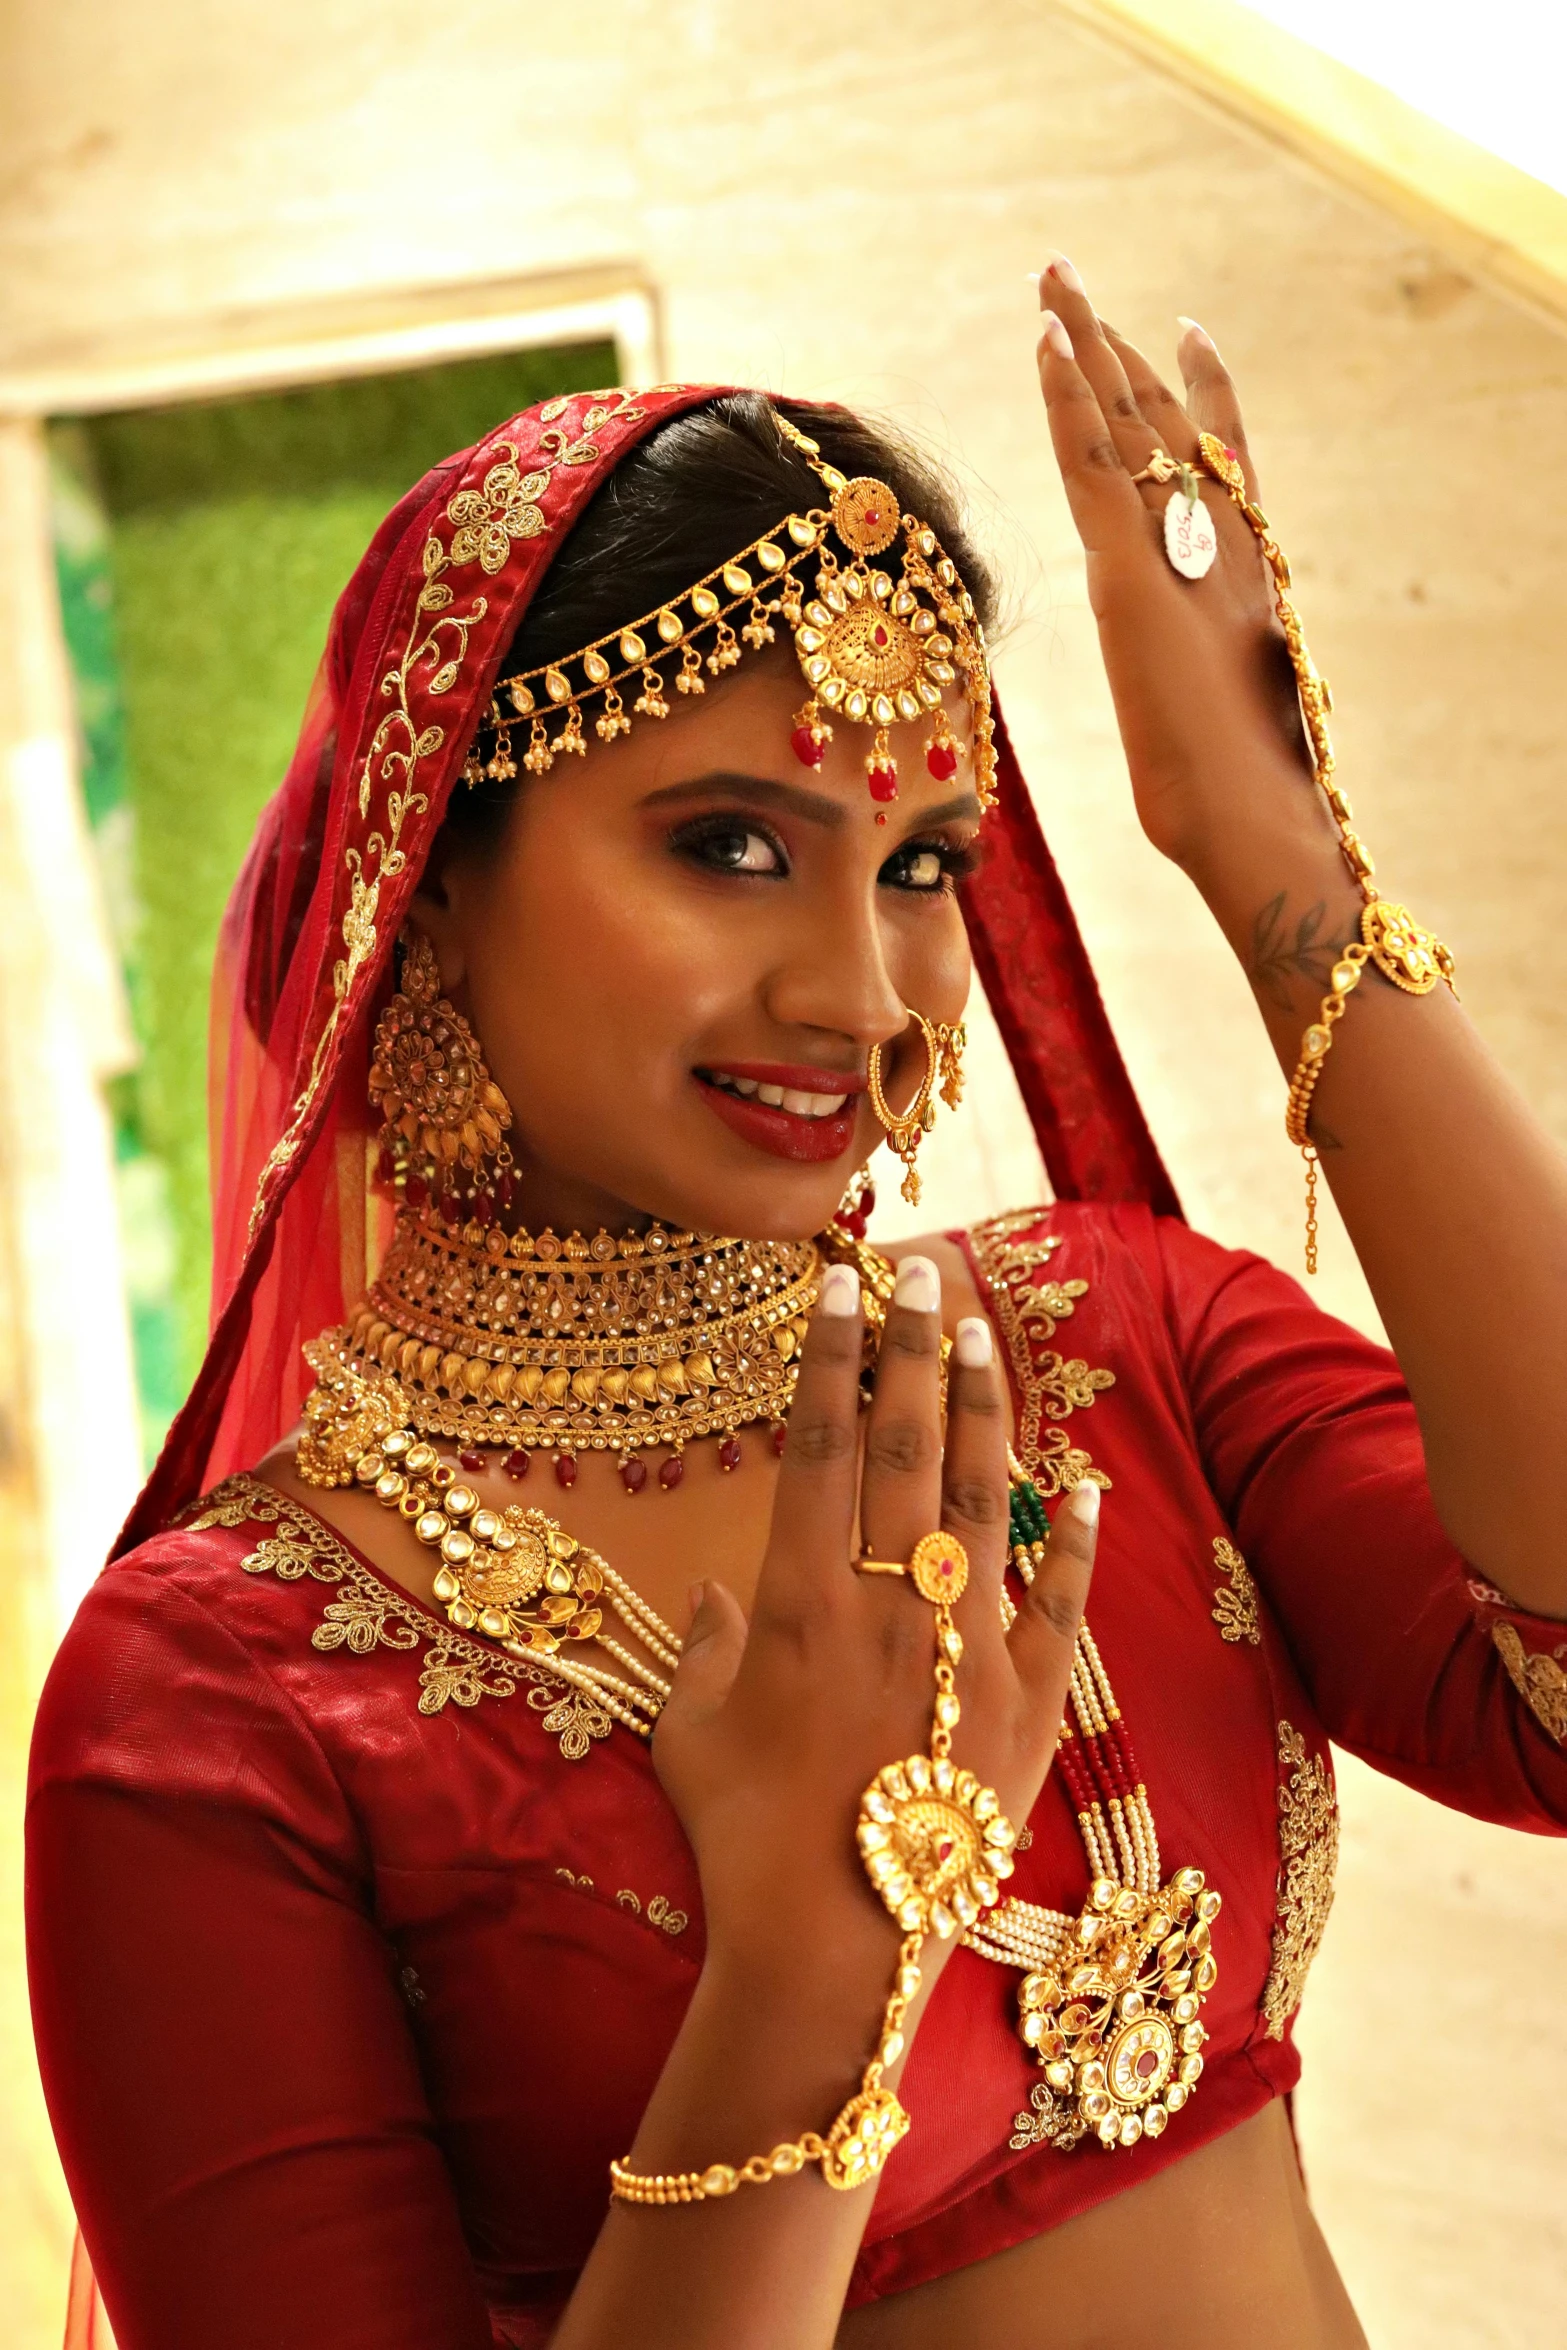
(840, 1292)
(972, 1345)
(1083, 1501)
(1189, 326)
(1056, 335)
(1061, 269)
(918, 1286)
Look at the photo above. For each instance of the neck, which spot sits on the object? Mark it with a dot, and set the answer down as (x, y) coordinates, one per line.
(545, 1201)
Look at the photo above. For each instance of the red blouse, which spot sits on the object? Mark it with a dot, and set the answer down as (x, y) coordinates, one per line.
(356, 1952)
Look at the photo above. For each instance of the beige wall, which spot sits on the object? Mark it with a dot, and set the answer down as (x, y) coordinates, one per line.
(831, 209)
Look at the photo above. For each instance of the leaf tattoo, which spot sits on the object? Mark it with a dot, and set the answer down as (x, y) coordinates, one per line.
(1275, 959)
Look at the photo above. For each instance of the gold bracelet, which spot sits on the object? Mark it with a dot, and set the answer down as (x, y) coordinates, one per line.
(937, 1847)
(1403, 950)
(1315, 1047)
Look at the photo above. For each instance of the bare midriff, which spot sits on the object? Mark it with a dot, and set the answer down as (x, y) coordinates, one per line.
(1219, 2252)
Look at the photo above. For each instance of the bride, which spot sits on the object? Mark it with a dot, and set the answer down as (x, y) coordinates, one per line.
(595, 1803)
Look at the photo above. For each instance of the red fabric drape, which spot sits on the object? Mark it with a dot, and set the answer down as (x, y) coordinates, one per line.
(414, 648)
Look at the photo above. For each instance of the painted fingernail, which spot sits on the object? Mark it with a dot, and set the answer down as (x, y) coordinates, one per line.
(1083, 1502)
(918, 1286)
(840, 1291)
(1189, 326)
(1062, 269)
(972, 1345)
(1056, 335)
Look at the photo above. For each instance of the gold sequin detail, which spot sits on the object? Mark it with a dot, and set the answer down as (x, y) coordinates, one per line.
(1538, 1678)
(1235, 1602)
(1050, 1387)
(1308, 1856)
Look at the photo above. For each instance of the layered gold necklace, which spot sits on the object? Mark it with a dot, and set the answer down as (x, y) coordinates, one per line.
(624, 1345)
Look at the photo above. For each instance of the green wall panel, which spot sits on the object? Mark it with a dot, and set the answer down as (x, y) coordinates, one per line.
(200, 552)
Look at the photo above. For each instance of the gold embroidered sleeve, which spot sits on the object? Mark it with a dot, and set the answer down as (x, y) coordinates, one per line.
(1028, 1309)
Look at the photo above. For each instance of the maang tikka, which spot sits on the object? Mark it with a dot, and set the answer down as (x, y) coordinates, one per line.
(873, 648)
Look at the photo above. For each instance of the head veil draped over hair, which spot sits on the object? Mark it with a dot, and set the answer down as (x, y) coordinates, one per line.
(304, 958)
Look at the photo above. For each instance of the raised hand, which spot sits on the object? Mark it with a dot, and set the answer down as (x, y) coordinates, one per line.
(1204, 694)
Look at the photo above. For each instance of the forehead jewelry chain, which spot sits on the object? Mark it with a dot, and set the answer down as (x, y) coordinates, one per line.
(874, 649)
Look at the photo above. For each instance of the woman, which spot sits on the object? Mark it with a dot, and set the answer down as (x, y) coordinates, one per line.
(390, 1989)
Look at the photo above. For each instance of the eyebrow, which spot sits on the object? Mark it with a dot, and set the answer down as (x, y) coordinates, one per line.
(812, 807)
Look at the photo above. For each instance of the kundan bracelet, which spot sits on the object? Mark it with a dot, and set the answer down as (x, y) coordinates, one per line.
(1402, 949)
(937, 1847)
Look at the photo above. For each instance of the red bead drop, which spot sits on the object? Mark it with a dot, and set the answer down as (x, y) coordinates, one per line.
(416, 1192)
(566, 1469)
(868, 1200)
(780, 1437)
(807, 746)
(505, 1190)
(386, 1168)
(670, 1474)
(729, 1453)
(942, 760)
(883, 782)
(484, 1208)
(517, 1464)
(451, 1208)
(633, 1473)
(473, 1462)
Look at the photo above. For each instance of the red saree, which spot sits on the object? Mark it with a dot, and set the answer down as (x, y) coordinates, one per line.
(355, 1952)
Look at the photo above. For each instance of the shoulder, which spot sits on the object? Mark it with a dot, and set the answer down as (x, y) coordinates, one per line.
(164, 1683)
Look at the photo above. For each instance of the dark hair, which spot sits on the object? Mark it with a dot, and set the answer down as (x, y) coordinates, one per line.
(684, 501)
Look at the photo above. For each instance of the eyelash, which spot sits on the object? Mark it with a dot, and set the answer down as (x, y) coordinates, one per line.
(705, 832)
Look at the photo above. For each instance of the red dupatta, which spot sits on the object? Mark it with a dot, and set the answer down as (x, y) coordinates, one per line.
(414, 648)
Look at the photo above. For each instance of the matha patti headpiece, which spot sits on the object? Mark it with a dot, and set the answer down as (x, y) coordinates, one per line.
(874, 648)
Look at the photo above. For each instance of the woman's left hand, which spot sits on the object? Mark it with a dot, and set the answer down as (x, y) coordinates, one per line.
(1203, 689)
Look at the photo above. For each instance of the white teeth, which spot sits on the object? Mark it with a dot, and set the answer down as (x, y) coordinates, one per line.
(781, 1097)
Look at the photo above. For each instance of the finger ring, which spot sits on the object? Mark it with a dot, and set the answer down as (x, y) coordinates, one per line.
(1161, 467)
(938, 1568)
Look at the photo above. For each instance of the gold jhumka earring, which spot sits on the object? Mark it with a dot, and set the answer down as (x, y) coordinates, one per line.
(943, 1073)
(873, 648)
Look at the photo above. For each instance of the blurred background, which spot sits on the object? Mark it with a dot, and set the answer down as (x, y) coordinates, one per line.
(262, 264)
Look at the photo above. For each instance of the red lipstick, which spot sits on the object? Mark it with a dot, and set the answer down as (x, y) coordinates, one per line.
(780, 1132)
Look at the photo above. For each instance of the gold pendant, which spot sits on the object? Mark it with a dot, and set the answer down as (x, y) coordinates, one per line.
(1114, 2025)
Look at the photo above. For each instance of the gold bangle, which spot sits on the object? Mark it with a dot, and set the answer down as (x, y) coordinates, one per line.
(937, 1848)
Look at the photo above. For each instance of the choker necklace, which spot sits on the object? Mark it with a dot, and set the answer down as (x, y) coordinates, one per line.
(534, 1343)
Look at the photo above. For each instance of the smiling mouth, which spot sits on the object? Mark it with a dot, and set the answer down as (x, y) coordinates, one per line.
(787, 1098)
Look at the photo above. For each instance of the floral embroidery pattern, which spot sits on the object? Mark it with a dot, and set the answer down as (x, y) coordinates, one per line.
(486, 522)
(366, 1614)
(1235, 1602)
(1308, 1856)
(1044, 2122)
(1538, 1679)
(1050, 1387)
(575, 1719)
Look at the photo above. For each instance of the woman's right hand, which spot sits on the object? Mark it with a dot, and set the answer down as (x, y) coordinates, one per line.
(776, 1727)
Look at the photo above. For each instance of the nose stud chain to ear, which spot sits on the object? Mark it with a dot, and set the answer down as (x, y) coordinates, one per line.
(943, 1069)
